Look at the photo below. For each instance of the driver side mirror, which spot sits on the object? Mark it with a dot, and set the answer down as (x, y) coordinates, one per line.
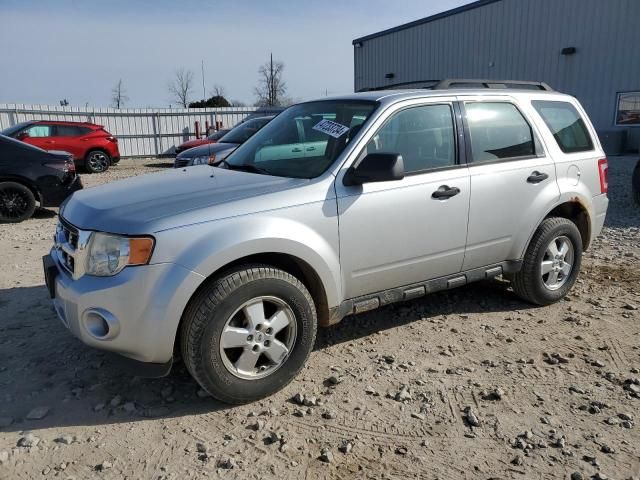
(22, 135)
(376, 167)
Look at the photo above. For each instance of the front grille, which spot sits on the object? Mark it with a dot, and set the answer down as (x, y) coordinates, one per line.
(70, 245)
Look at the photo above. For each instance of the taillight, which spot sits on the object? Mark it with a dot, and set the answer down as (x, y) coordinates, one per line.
(68, 166)
(113, 139)
(603, 171)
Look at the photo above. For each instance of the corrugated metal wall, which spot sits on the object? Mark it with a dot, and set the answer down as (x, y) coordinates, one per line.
(520, 40)
(141, 132)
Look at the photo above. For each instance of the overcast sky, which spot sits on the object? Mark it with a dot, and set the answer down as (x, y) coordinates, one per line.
(78, 49)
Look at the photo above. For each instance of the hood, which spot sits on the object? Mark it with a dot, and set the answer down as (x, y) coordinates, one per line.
(208, 149)
(158, 201)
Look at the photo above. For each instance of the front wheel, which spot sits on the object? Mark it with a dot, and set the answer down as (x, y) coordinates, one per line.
(248, 333)
(97, 161)
(551, 263)
(17, 202)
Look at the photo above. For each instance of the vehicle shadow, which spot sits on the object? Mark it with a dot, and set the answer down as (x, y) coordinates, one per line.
(168, 164)
(42, 365)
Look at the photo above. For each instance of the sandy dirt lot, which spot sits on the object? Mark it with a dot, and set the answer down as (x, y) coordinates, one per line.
(471, 383)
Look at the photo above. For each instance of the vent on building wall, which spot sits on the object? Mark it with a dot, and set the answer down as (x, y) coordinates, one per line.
(568, 51)
(389, 75)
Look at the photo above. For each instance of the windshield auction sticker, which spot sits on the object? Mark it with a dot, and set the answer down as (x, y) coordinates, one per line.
(331, 128)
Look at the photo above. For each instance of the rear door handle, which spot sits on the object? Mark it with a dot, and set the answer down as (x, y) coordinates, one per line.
(311, 149)
(537, 177)
(444, 192)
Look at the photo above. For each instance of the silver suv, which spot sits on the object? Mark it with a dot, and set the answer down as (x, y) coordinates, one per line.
(336, 207)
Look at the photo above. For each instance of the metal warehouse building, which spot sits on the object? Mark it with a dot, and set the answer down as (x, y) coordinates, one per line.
(587, 48)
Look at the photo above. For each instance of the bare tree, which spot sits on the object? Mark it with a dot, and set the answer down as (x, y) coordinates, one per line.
(271, 88)
(181, 87)
(119, 95)
(218, 91)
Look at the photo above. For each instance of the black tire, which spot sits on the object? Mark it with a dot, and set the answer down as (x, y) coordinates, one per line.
(635, 183)
(205, 317)
(17, 202)
(97, 161)
(528, 283)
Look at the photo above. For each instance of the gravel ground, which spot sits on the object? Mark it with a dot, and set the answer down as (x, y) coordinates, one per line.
(470, 383)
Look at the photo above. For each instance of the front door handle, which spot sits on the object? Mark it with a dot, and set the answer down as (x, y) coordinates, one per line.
(296, 150)
(444, 192)
(537, 177)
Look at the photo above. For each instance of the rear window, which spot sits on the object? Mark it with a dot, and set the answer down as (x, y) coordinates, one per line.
(566, 124)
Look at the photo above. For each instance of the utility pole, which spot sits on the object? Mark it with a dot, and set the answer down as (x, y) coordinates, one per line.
(204, 95)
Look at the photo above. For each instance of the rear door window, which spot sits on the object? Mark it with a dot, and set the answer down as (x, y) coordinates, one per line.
(498, 131)
(566, 124)
(70, 131)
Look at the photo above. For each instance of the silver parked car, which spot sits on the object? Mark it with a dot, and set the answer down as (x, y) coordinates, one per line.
(335, 207)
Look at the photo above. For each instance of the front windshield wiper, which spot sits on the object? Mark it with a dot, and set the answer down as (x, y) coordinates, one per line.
(244, 168)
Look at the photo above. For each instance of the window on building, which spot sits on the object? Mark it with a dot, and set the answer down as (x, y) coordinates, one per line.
(424, 136)
(498, 131)
(566, 124)
(628, 109)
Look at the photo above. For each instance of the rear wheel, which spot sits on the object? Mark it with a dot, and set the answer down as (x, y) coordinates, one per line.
(17, 202)
(248, 333)
(97, 161)
(551, 263)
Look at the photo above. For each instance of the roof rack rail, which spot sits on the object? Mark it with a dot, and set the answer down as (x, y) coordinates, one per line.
(488, 83)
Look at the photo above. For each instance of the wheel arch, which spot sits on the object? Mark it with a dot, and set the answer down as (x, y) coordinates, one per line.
(574, 209)
(287, 262)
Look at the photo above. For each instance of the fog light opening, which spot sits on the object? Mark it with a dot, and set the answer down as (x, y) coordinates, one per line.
(100, 324)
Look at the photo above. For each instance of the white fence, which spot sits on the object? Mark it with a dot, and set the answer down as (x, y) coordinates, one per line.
(141, 132)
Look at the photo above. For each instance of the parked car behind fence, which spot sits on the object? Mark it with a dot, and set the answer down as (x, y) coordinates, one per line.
(91, 145)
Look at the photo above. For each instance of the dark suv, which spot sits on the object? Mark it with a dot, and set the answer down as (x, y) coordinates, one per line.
(30, 176)
(91, 145)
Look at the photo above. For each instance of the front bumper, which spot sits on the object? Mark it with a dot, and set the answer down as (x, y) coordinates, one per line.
(134, 313)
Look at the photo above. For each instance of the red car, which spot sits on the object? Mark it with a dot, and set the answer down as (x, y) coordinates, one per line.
(91, 145)
(213, 138)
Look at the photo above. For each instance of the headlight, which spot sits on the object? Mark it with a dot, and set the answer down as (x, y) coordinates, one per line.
(203, 160)
(109, 254)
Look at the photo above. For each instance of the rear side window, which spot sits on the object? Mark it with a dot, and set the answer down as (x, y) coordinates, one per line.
(39, 131)
(498, 131)
(71, 131)
(566, 124)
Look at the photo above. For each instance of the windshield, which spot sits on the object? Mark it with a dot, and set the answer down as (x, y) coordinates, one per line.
(304, 140)
(218, 135)
(244, 131)
(16, 128)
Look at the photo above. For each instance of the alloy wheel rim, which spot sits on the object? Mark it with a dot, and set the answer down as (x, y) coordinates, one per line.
(258, 338)
(98, 162)
(13, 203)
(557, 263)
